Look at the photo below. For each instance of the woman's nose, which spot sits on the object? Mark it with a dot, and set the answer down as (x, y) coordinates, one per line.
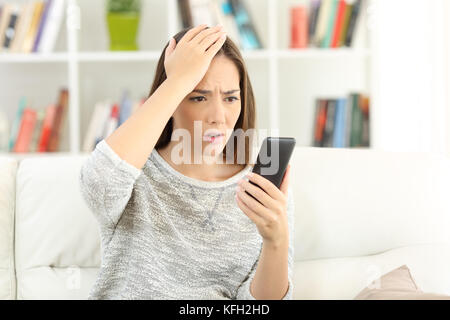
(217, 112)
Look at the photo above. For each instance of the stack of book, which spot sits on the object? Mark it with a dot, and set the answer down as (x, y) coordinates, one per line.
(38, 130)
(232, 14)
(107, 117)
(342, 122)
(31, 26)
(325, 24)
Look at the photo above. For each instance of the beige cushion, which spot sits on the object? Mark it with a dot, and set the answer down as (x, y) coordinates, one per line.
(397, 285)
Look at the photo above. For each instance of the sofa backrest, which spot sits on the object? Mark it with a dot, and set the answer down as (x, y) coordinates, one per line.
(357, 202)
(8, 167)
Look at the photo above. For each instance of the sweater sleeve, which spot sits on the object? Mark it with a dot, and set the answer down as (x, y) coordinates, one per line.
(106, 183)
(243, 292)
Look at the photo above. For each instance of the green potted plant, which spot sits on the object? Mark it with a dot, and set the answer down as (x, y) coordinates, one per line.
(123, 22)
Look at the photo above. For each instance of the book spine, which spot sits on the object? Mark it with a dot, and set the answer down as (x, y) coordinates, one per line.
(10, 30)
(4, 19)
(249, 36)
(322, 22)
(313, 17)
(329, 126)
(16, 124)
(299, 27)
(37, 130)
(52, 27)
(339, 134)
(59, 120)
(347, 14)
(339, 24)
(31, 34)
(326, 43)
(352, 23)
(46, 128)
(355, 138)
(26, 130)
(42, 25)
(321, 122)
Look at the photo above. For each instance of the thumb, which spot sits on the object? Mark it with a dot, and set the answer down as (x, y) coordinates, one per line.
(285, 183)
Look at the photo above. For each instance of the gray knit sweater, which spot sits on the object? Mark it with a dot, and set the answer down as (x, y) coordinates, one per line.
(168, 236)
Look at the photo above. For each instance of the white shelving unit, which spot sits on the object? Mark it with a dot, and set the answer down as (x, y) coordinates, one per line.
(285, 81)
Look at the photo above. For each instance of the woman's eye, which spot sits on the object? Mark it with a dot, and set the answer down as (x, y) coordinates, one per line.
(233, 98)
(195, 98)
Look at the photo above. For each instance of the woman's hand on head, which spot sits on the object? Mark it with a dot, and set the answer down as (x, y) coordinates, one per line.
(188, 60)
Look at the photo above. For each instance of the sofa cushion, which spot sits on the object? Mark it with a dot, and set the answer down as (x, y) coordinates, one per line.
(397, 284)
(57, 237)
(345, 277)
(361, 202)
(8, 167)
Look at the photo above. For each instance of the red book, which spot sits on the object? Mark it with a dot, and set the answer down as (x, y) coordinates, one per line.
(321, 120)
(299, 27)
(26, 130)
(339, 24)
(46, 128)
(58, 121)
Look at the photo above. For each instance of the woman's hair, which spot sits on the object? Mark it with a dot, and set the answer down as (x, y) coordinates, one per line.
(247, 117)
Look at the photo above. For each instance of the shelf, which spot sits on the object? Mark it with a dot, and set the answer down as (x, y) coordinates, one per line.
(25, 155)
(119, 56)
(33, 57)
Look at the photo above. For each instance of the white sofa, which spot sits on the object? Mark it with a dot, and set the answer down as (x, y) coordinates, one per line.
(359, 214)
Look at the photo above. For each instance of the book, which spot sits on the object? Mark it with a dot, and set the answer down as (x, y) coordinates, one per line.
(343, 35)
(22, 27)
(340, 123)
(40, 114)
(4, 19)
(326, 42)
(356, 125)
(226, 18)
(42, 23)
(125, 108)
(299, 27)
(322, 22)
(30, 36)
(52, 27)
(47, 126)
(112, 121)
(60, 116)
(11, 27)
(16, 123)
(365, 108)
(328, 134)
(94, 124)
(249, 36)
(320, 121)
(338, 24)
(25, 131)
(102, 122)
(352, 23)
(313, 15)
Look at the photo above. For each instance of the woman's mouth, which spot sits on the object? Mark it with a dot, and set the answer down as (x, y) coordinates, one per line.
(214, 138)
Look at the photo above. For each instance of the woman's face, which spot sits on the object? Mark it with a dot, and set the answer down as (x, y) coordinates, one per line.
(211, 111)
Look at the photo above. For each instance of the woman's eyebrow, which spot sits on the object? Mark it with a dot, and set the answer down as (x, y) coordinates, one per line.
(209, 91)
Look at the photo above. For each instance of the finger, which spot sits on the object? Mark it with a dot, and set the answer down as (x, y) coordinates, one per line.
(201, 36)
(266, 185)
(211, 39)
(215, 47)
(188, 36)
(285, 183)
(170, 47)
(259, 194)
(252, 215)
(254, 205)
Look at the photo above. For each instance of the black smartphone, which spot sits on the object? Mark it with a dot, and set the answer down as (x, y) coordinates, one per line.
(273, 159)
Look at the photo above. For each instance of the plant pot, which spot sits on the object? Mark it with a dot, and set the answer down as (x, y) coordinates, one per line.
(123, 29)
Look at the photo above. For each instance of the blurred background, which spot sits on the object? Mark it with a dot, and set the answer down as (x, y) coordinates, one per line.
(331, 73)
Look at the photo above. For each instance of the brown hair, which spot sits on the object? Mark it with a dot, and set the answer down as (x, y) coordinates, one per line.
(246, 119)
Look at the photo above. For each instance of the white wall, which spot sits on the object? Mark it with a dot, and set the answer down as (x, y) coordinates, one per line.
(411, 55)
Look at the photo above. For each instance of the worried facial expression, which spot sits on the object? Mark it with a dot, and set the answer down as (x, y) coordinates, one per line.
(214, 105)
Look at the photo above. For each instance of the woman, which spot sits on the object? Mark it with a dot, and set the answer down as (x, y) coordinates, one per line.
(181, 230)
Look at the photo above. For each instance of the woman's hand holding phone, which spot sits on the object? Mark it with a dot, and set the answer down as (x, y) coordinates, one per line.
(188, 60)
(270, 213)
